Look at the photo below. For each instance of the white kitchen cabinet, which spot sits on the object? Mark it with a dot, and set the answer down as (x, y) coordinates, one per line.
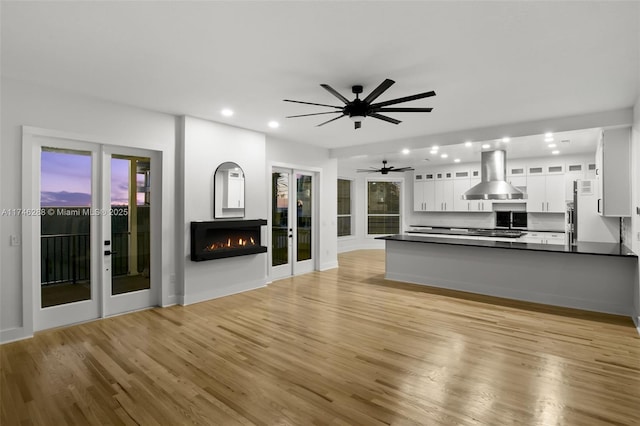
(423, 192)
(443, 192)
(543, 238)
(461, 184)
(613, 172)
(545, 189)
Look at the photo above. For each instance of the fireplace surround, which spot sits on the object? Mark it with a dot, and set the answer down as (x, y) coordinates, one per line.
(226, 238)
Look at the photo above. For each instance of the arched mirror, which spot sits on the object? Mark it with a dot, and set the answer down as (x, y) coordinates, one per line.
(228, 191)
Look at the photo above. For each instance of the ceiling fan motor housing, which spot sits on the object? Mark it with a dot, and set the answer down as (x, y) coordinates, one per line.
(358, 109)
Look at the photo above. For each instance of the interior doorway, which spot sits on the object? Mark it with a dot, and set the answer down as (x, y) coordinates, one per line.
(293, 222)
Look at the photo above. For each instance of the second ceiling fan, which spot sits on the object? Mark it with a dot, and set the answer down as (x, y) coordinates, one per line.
(358, 109)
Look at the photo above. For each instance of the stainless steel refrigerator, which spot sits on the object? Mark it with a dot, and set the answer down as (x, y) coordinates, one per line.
(583, 221)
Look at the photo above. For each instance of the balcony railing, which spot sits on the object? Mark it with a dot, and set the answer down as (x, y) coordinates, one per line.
(66, 257)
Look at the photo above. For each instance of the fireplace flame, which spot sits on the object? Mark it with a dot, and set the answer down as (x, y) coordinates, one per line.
(231, 243)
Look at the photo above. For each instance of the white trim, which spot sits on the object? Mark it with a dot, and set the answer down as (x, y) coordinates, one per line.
(216, 293)
(328, 265)
(14, 334)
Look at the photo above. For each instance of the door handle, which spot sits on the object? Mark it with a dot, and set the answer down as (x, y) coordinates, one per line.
(599, 199)
(107, 252)
(542, 207)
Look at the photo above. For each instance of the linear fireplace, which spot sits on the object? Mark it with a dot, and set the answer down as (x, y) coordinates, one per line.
(225, 238)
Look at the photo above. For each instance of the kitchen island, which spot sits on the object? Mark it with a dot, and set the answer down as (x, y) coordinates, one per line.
(599, 277)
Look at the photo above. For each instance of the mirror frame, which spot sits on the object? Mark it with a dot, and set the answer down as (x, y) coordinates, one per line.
(219, 210)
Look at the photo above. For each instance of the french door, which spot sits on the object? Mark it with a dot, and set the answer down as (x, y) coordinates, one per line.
(93, 242)
(293, 230)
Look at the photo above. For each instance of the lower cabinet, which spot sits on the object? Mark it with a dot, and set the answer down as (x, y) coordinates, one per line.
(543, 238)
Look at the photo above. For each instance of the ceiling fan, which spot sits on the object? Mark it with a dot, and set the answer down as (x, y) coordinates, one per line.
(384, 169)
(358, 109)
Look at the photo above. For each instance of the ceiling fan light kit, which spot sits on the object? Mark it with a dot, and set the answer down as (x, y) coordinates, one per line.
(358, 109)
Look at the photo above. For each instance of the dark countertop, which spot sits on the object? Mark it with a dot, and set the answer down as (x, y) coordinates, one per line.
(601, 249)
(453, 230)
(474, 232)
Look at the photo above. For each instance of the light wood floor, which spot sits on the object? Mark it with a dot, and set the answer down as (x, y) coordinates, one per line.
(337, 347)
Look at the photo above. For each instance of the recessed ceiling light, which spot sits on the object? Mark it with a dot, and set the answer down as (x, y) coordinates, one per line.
(435, 147)
(485, 146)
(227, 112)
(457, 160)
(406, 151)
(468, 144)
(555, 152)
(433, 151)
(548, 135)
(506, 139)
(549, 139)
(274, 124)
(444, 156)
(552, 145)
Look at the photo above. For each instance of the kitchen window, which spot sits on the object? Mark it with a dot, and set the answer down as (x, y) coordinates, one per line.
(344, 207)
(383, 207)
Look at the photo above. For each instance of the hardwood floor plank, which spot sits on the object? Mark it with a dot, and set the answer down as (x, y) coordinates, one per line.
(340, 347)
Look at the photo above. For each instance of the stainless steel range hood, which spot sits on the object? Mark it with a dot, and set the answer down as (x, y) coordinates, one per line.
(493, 185)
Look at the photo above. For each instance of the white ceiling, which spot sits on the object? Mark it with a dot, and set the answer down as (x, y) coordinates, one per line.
(570, 143)
(490, 63)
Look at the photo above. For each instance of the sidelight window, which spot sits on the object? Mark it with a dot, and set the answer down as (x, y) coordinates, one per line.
(344, 207)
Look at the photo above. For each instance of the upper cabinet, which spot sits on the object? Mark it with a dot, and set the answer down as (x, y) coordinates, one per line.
(548, 183)
(613, 172)
(545, 189)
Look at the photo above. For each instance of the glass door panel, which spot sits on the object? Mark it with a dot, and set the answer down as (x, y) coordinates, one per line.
(280, 226)
(130, 208)
(65, 236)
(304, 209)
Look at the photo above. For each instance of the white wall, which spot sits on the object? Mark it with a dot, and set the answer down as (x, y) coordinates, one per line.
(114, 124)
(288, 154)
(203, 146)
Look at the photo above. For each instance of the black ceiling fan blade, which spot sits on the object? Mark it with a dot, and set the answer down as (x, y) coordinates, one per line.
(402, 169)
(378, 90)
(316, 113)
(335, 93)
(367, 171)
(393, 109)
(384, 118)
(405, 99)
(312, 103)
(329, 121)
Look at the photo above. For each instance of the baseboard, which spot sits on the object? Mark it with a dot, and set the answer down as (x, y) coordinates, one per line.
(329, 265)
(636, 321)
(228, 291)
(14, 334)
(170, 301)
